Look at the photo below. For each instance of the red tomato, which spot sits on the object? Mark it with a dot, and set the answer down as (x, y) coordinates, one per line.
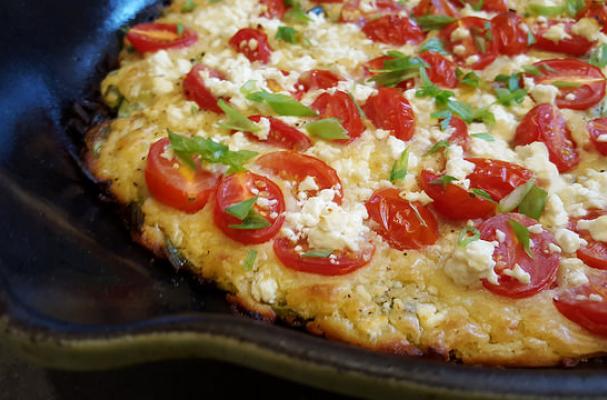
(479, 43)
(339, 263)
(242, 186)
(435, 7)
(352, 12)
(378, 63)
(316, 79)
(274, 8)
(341, 106)
(253, 43)
(180, 188)
(575, 45)
(393, 29)
(498, 178)
(195, 90)
(498, 6)
(404, 225)
(588, 82)
(441, 71)
(460, 134)
(282, 135)
(511, 33)
(542, 267)
(545, 124)
(454, 202)
(598, 11)
(292, 166)
(595, 253)
(575, 304)
(597, 128)
(390, 110)
(151, 37)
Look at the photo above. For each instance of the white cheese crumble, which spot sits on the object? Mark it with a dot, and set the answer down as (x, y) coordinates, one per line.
(468, 265)
(569, 241)
(597, 227)
(457, 166)
(519, 274)
(421, 196)
(534, 156)
(308, 183)
(571, 273)
(587, 27)
(556, 33)
(544, 93)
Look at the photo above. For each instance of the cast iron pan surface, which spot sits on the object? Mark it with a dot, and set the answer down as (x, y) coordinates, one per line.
(75, 292)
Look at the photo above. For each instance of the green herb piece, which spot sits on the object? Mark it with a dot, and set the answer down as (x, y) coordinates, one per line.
(398, 69)
(320, 253)
(434, 22)
(546, 11)
(515, 198)
(481, 43)
(443, 180)
(242, 209)
(532, 70)
(249, 261)
(522, 235)
(281, 104)
(468, 235)
(433, 44)
(574, 7)
(599, 56)
(507, 97)
(188, 6)
(235, 120)
(565, 84)
(296, 13)
(327, 129)
(534, 202)
(483, 136)
(180, 29)
(469, 79)
(438, 146)
(400, 168)
(253, 221)
(482, 194)
(478, 6)
(287, 34)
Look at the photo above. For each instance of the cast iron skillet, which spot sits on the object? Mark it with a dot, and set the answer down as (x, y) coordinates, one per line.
(76, 293)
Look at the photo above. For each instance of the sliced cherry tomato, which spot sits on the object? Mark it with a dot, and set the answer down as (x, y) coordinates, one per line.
(253, 43)
(339, 263)
(403, 224)
(511, 33)
(574, 44)
(292, 166)
(393, 29)
(352, 11)
(282, 135)
(316, 79)
(179, 188)
(435, 7)
(195, 90)
(586, 305)
(441, 71)
(460, 134)
(274, 8)
(597, 128)
(542, 267)
(454, 202)
(598, 11)
(581, 85)
(498, 178)
(390, 110)
(151, 37)
(340, 105)
(476, 50)
(544, 123)
(595, 253)
(243, 186)
(378, 63)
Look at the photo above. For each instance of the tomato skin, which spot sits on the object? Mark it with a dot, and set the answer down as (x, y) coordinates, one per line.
(239, 187)
(393, 29)
(589, 314)
(378, 63)
(453, 202)
(341, 106)
(292, 166)
(390, 110)
(595, 253)
(195, 90)
(186, 191)
(590, 78)
(460, 134)
(316, 79)
(545, 124)
(542, 268)
(141, 37)
(576, 45)
(435, 7)
(344, 262)
(241, 40)
(498, 178)
(352, 12)
(480, 30)
(398, 223)
(274, 8)
(510, 37)
(282, 135)
(598, 11)
(498, 6)
(441, 71)
(596, 128)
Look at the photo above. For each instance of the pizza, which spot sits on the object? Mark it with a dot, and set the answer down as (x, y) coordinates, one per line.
(413, 177)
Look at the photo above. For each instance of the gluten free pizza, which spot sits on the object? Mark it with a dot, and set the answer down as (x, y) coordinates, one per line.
(418, 176)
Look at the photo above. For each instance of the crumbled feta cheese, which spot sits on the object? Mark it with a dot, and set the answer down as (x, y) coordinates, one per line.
(556, 33)
(555, 214)
(468, 265)
(587, 27)
(264, 289)
(597, 227)
(421, 196)
(500, 235)
(519, 274)
(535, 157)
(473, 59)
(569, 241)
(263, 134)
(457, 166)
(537, 229)
(459, 49)
(571, 273)
(459, 34)
(554, 248)
(595, 297)
(309, 183)
(543, 93)
(396, 146)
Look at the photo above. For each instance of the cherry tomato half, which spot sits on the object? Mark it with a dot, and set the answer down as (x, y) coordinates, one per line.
(511, 33)
(253, 43)
(441, 70)
(194, 88)
(151, 37)
(180, 188)
(578, 304)
(390, 110)
(274, 8)
(598, 11)
(545, 124)
(282, 135)
(574, 44)
(542, 267)
(476, 50)
(236, 188)
(393, 29)
(498, 178)
(595, 253)
(403, 224)
(435, 7)
(597, 128)
(340, 105)
(316, 79)
(352, 11)
(460, 134)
